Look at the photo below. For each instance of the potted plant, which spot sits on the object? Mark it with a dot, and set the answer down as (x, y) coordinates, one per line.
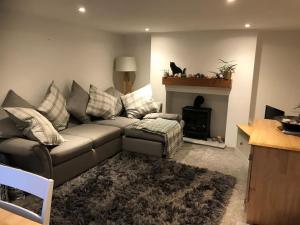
(226, 70)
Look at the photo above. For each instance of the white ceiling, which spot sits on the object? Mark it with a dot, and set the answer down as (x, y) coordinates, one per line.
(127, 16)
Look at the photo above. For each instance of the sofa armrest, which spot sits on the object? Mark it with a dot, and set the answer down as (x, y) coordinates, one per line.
(27, 155)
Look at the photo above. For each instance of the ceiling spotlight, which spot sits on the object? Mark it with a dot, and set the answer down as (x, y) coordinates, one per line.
(230, 1)
(147, 29)
(81, 9)
(247, 25)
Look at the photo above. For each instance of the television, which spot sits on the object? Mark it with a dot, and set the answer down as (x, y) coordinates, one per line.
(273, 113)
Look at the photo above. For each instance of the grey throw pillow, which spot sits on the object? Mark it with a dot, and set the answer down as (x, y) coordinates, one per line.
(8, 128)
(53, 107)
(101, 104)
(77, 103)
(34, 125)
(14, 100)
(116, 93)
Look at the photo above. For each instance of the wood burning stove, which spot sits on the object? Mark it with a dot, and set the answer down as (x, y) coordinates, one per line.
(197, 122)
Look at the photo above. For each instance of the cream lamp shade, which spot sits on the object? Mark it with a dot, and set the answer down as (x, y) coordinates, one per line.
(125, 64)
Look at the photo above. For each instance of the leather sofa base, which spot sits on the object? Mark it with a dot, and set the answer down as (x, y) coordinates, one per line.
(80, 164)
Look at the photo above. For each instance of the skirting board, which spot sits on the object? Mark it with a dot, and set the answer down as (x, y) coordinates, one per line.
(202, 142)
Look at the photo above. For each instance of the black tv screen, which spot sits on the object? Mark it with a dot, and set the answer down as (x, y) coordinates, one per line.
(273, 113)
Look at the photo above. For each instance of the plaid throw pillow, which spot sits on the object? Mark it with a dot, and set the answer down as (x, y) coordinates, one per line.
(137, 104)
(34, 125)
(114, 92)
(53, 107)
(101, 104)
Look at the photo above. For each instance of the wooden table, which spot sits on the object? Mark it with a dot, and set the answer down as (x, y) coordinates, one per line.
(273, 193)
(8, 218)
(247, 129)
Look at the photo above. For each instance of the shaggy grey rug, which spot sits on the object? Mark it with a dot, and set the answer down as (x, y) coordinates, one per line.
(131, 189)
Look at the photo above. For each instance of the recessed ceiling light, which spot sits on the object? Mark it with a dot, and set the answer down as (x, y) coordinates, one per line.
(81, 9)
(247, 25)
(230, 1)
(147, 29)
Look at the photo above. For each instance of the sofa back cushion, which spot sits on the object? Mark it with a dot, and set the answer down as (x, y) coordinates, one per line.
(101, 104)
(77, 103)
(34, 125)
(8, 128)
(53, 107)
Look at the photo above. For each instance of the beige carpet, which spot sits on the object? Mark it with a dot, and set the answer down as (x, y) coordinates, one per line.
(229, 161)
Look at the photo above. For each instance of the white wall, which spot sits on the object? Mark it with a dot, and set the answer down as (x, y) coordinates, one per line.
(139, 46)
(199, 52)
(34, 51)
(277, 74)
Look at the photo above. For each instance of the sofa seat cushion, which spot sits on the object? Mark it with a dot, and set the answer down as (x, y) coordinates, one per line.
(72, 147)
(98, 134)
(140, 134)
(119, 121)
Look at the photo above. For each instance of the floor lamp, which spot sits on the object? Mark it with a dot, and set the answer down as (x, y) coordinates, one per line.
(126, 64)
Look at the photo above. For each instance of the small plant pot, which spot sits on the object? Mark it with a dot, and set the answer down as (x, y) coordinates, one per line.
(227, 75)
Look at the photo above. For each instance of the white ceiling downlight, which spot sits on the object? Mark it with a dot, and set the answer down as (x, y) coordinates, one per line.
(81, 9)
(247, 25)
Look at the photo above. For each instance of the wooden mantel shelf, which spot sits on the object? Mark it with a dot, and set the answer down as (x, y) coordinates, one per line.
(218, 83)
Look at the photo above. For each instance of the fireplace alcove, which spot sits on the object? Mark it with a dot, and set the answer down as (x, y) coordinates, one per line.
(179, 96)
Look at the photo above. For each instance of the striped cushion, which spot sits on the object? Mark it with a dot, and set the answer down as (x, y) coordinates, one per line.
(116, 93)
(101, 104)
(53, 107)
(138, 104)
(34, 125)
